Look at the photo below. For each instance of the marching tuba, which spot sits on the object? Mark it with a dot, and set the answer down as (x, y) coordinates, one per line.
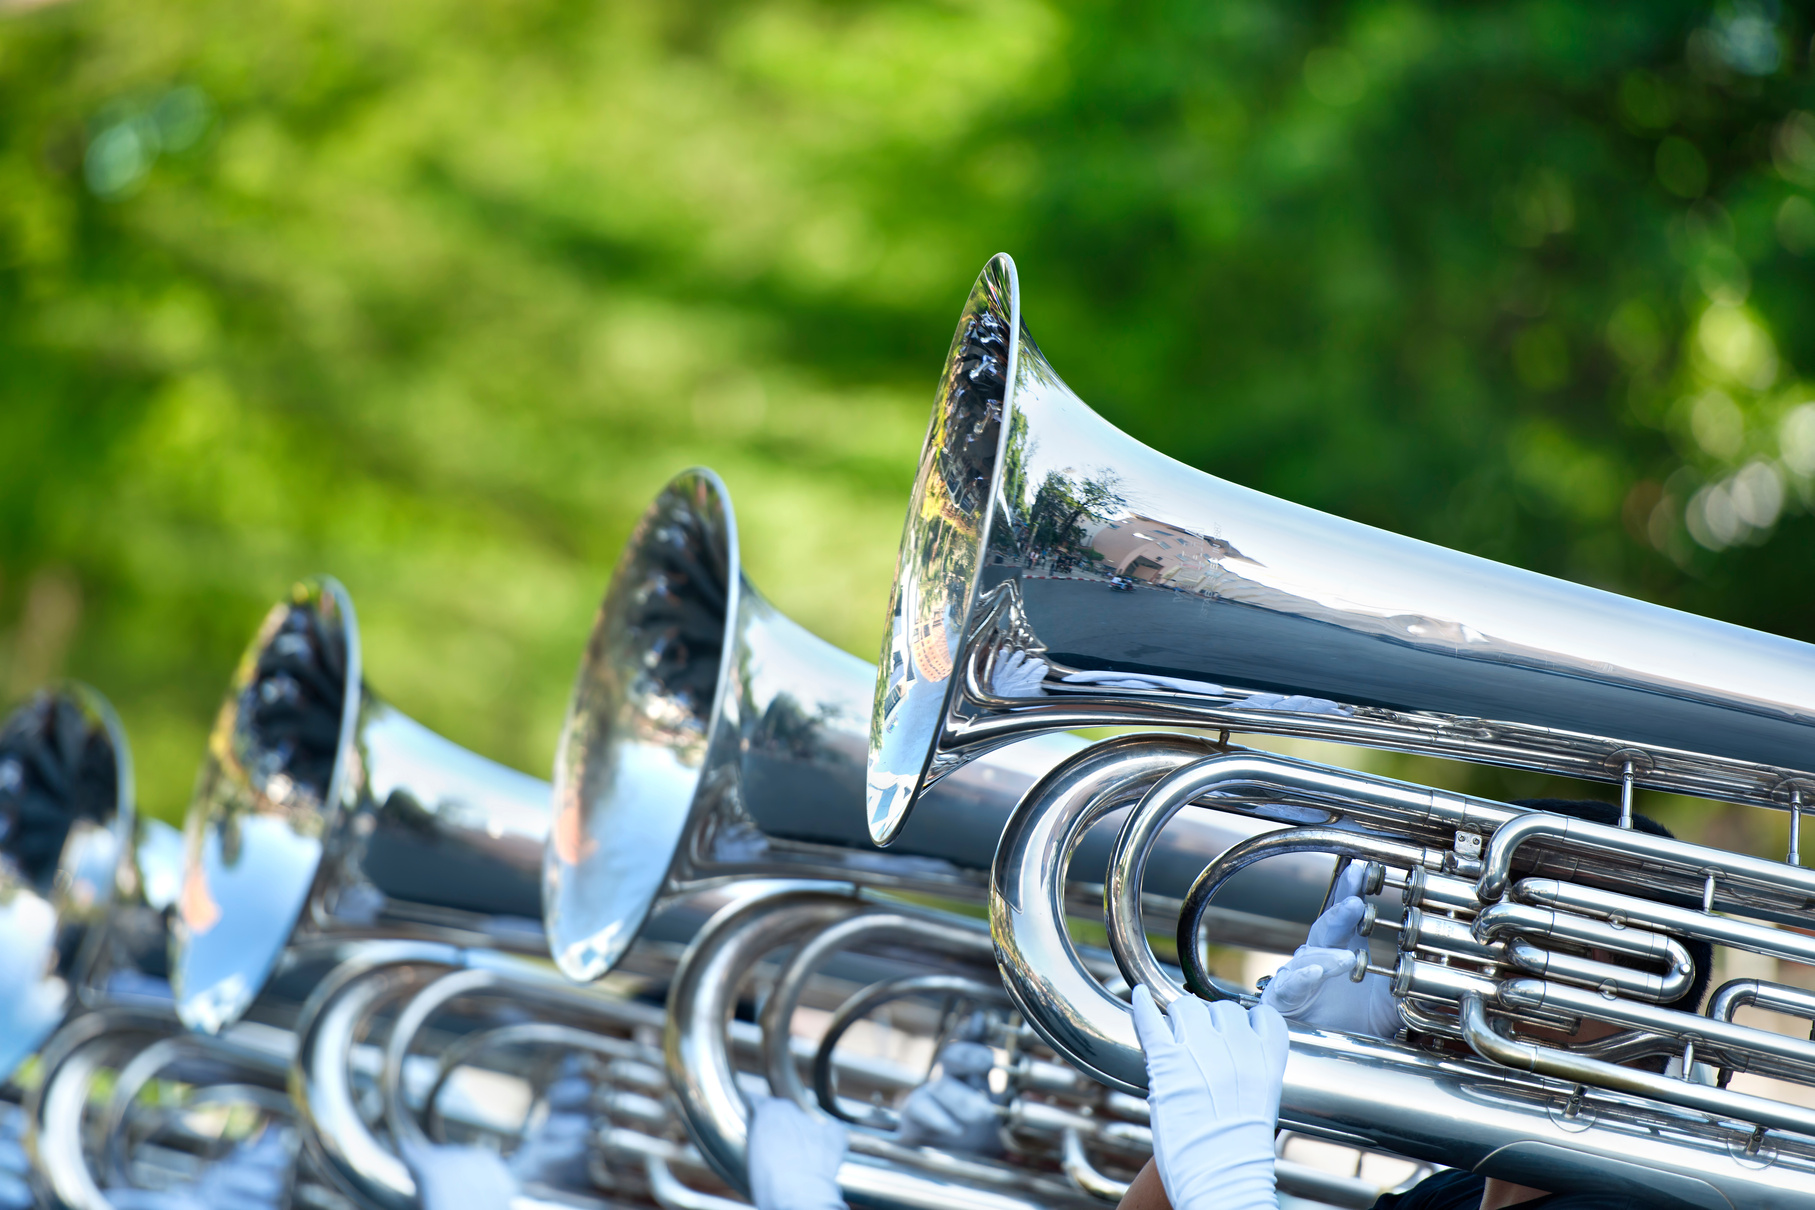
(712, 746)
(85, 939)
(1055, 574)
(323, 816)
(711, 742)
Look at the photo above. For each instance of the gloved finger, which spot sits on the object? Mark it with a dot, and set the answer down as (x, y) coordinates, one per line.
(1150, 1026)
(1275, 1039)
(833, 1138)
(1350, 881)
(967, 1059)
(1230, 1019)
(923, 1110)
(1293, 987)
(1337, 926)
(964, 1103)
(1191, 1022)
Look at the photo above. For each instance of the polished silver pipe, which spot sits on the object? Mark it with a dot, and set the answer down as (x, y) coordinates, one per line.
(321, 812)
(1253, 614)
(1720, 930)
(1736, 994)
(81, 1157)
(1485, 1117)
(878, 1175)
(321, 1083)
(1563, 1066)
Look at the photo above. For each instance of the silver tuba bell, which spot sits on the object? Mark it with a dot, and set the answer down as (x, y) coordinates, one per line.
(710, 740)
(84, 880)
(1030, 515)
(323, 813)
(1054, 573)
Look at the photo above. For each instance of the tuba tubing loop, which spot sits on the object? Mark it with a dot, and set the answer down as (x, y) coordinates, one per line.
(1381, 1094)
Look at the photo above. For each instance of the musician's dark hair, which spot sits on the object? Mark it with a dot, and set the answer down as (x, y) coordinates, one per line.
(1595, 811)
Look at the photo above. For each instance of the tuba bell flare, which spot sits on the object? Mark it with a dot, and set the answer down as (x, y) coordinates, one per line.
(1055, 573)
(710, 740)
(323, 814)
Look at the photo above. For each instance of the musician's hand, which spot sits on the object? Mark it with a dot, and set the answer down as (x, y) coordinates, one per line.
(1214, 1075)
(1019, 675)
(794, 1157)
(954, 1112)
(1315, 988)
(1339, 926)
(460, 1178)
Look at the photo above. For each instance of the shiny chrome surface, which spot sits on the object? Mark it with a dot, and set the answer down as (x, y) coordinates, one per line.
(1269, 617)
(81, 912)
(56, 892)
(877, 1174)
(709, 739)
(412, 1043)
(129, 1100)
(1540, 1112)
(1060, 1134)
(322, 810)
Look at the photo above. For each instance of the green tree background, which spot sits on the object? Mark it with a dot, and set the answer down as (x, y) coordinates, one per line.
(433, 295)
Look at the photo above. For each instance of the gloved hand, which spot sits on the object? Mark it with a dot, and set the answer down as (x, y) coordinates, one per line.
(1315, 988)
(794, 1157)
(1214, 1075)
(1340, 925)
(1019, 675)
(460, 1178)
(954, 1112)
(1141, 680)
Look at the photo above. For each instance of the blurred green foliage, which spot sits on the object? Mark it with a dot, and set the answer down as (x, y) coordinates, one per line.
(434, 295)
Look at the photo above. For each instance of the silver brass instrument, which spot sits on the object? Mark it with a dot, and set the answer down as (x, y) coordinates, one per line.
(1140, 591)
(129, 1099)
(367, 1090)
(1264, 616)
(711, 743)
(710, 740)
(323, 814)
(76, 910)
(86, 941)
(1064, 1139)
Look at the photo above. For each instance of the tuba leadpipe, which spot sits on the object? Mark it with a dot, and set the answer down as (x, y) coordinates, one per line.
(1254, 614)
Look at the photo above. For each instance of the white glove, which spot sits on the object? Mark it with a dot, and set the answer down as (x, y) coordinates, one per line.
(1140, 680)
(1340, 925)
(1019, 675)
(1315, 988)
(460, 1178)
(954, 1112)
(1214, 1075)
(1296, 703)
(794, 1157)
